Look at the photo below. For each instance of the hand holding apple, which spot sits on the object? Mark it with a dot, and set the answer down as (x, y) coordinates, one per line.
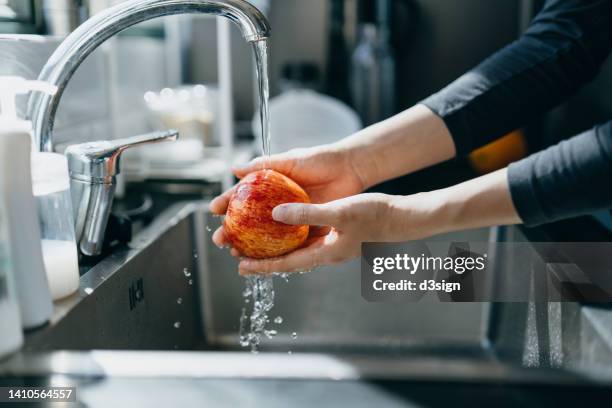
(325, 173)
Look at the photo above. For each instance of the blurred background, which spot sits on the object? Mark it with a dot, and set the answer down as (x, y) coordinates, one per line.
(374, 58)
(335, 67)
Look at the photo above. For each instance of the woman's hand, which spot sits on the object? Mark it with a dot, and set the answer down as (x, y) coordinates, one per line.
(326, 173)
(342, 226)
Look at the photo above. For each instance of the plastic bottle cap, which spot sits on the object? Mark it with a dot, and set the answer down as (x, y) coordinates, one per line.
(49, 173)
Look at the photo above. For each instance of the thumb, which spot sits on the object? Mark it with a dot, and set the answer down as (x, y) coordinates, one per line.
(305, 214)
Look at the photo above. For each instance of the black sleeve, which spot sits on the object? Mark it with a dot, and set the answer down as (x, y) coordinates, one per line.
(562, 49)
(571, 178)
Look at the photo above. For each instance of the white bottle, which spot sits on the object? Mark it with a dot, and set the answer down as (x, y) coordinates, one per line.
(23, 225)
(11, 338)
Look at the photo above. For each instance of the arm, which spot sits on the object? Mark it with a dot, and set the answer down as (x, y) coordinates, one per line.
(407, 142)
(566, 180)
(378, 217)
(563, 48)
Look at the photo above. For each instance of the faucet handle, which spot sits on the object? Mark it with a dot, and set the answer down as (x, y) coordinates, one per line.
(100, 160)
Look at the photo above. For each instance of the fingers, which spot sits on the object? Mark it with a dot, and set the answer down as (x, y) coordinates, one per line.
(300, 260)
(277, 162)
(243, 169)
(219, 204)
(220, 239)
(306, 214)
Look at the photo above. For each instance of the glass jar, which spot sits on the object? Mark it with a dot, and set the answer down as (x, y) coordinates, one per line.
(51, 187)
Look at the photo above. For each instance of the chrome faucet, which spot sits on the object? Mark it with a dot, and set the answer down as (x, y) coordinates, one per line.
(93, 167)
(92, 204)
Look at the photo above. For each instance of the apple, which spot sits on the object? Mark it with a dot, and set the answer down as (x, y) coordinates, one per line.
(248, 222)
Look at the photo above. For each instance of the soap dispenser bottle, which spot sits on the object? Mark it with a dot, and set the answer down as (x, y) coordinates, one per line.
(10, 321)
(33, 293)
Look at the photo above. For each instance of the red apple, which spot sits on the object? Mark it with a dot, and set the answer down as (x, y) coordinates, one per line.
(248, 222)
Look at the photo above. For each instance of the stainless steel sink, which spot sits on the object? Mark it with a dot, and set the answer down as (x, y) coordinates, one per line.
(172, 289)
(141, 298)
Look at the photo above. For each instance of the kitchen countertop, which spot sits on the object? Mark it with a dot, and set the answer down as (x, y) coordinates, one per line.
(121, 378)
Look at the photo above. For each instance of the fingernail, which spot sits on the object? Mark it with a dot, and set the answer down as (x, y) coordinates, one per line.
(279, 213)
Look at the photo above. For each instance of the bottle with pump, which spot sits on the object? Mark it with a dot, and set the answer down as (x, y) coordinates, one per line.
(10, 321)
(23, 225)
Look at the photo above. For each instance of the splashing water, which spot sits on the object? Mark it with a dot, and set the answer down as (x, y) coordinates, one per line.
(278, 320)
(253, 325)
(285, 276)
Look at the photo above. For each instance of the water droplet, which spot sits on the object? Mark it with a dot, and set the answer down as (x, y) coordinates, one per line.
(89, 291)
(186, 272)
(290, 352)
(278, 320)
(195, 255)
(179, 301)
(270, 333)
(294, 335)
(177, 325)
(190, 282)
(208, 228)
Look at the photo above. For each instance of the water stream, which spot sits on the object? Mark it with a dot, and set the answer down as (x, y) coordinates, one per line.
(259, 290)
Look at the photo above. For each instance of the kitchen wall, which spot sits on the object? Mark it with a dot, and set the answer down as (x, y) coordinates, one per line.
(298, 33)
(449, 38)
(445, 38)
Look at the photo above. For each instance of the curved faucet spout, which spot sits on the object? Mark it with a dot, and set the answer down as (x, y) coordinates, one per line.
(84, 40)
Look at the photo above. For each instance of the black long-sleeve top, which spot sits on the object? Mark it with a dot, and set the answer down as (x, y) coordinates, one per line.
(562, 49)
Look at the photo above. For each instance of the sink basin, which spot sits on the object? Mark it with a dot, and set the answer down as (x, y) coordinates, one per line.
(172, 297)
(171, 288)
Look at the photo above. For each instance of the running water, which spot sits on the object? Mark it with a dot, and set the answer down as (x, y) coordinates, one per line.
(253, 324)
(261, 63)
(259, 290)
